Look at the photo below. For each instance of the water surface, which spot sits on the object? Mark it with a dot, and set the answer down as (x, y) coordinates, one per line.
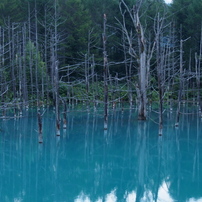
(129, 162)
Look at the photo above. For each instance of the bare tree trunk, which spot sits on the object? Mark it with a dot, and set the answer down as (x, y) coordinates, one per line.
(11, 56)
(143, 66)
(198, 75)
(160, 65)
(57, 100)
(52, 61)
(12, 59)
(56, 69)
(30, 53)
(160, 88)
(20, 74)
(69, 88)
(65, 117)
(46, 55)
(128, 69)
(141, 88)
(142, 56)
(2, 77)
(181, 85)
(87, 78)
(37, 49)
(129, 82)
(105, 65)
(172, 63)
(93, 81)
(40, 138)
(24, 80)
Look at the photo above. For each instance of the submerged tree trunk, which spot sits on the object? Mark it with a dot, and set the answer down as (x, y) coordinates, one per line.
(87, 79)
(181, 86)
(36, 62)
(40, 138)
(142, 56)
(160, 69)
(57, 114)
(12, 58)
(198, 75)
(65, 117)
(142, 62)
(105, 74)
(25, 91)
(141, 88)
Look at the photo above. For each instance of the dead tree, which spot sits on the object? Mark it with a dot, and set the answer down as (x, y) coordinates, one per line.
(56, 87)
(24, 79)
(55, 65)
(159, 61)
(11, 37)
(87, 78)
(37, 49)
(181, 77)
(2, 71)
(163, 54)
(46, 54)
(142, 55)
(65, 116)
(105, 73)
(30, 52)
(19, 73)
(198, 74)
(40, 138)
(128, 70)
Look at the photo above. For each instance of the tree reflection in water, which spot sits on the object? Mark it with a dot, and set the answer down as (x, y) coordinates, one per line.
(127, 163)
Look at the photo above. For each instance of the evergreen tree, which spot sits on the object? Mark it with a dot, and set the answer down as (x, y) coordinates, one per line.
(188, 18)
(76, 25)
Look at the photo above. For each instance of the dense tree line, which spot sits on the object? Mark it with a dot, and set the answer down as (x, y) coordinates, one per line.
(57, 50)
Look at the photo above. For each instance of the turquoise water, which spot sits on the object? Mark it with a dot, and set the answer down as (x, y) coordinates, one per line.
(129, 162)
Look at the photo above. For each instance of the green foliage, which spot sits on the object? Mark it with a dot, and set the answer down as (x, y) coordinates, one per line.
(188, 17)
(77, 24)
(96, 92)
(11, 9)
(33, 57)
(74, 20)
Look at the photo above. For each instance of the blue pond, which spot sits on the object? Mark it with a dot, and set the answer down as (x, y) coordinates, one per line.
(128, 162)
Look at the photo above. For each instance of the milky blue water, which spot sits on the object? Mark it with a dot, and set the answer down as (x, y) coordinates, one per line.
(129, 162)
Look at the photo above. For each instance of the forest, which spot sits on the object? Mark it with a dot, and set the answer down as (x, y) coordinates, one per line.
(140, 52)
(100, 100)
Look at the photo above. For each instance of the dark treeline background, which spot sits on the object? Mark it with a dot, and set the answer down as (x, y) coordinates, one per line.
(49, 46)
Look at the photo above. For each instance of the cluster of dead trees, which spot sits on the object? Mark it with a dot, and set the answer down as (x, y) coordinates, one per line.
(162, 47)
(32, 69)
